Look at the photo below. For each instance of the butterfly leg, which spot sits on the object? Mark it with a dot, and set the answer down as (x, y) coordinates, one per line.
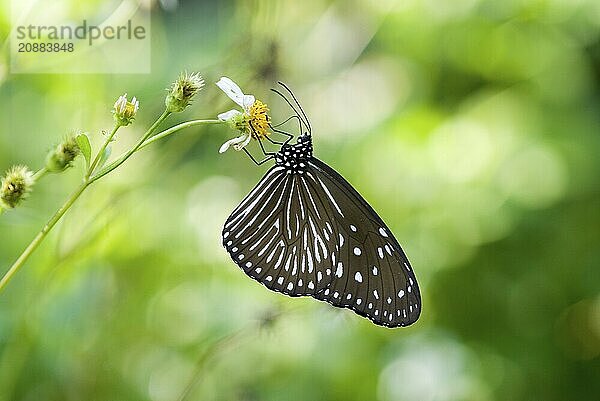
(262, 147)
(289, 136)
(258, 163)
(283, 122)
(273, 141)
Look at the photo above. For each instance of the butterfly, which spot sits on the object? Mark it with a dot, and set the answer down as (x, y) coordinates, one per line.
(305, 231)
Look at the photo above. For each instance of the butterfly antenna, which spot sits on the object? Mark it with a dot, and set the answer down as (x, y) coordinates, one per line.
(291, 105)
(298, 104)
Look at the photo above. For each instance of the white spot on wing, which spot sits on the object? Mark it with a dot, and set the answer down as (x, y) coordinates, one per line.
(358, 277)
(340, 269)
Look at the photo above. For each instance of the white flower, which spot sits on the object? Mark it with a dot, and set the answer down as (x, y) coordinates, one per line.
(251, 121)
(234, 92)
(125, 111)
(238, 143)
(122, 103)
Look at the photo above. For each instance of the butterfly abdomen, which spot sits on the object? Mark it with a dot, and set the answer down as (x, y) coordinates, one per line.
(294, 157)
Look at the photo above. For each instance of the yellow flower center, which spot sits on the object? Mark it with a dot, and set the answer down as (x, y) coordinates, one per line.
(130, 110)
(259, 119)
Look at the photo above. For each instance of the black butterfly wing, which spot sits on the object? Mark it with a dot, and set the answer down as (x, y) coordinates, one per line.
(372, 275)
(274, 235)
(313, 234)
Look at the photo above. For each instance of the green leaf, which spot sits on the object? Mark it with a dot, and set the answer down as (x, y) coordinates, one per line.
(85, 147)
(104, 158)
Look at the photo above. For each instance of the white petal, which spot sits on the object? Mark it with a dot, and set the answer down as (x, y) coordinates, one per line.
(233, 141)
(228, 115)
(247, 102)
(121, 103)
(240, 146)
(234, 92)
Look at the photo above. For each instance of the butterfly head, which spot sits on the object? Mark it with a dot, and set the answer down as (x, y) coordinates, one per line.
(294, 158)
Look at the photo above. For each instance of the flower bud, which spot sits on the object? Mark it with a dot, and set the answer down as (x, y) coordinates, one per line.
(182, 91)
(15, 186)
(63, 155)
(124, 111)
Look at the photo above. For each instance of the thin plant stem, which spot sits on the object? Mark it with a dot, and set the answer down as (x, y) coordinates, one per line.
(176, 128)
(40, 173)
(101, 151)
(144, 141)
(131, 151)
(223, 343)
(41, 236)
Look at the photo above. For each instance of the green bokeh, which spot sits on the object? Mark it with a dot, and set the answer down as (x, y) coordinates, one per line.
(472, 126)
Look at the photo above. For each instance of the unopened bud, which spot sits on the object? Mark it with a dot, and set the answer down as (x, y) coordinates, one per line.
(63, 155)
(15, 186)
(182, 91)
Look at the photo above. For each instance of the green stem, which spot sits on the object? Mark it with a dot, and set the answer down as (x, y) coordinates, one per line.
(60, 212)
(41, 235)
(131, 151)
(40, 173)
(176, 128)
(101, 151)
(146, 139)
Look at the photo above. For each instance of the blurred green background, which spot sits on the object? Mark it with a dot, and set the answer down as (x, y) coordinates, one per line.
(472, 126)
